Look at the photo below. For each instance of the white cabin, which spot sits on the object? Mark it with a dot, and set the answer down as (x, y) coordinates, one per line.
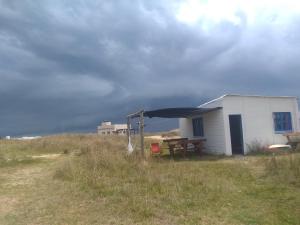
(238, 121)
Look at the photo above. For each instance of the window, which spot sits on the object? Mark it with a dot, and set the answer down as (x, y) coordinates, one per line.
(282, 122)
(198, 127)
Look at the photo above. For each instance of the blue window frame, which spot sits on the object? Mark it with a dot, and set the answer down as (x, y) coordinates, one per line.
(198, 127)
(282, 122)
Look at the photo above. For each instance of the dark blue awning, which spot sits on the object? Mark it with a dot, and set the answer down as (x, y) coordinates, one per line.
(178, 112)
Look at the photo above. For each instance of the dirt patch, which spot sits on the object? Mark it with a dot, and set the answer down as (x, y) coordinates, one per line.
(159, 137)
(7, 204)
(24, 175)
(46, 156)
(156, 137)
(18, 183)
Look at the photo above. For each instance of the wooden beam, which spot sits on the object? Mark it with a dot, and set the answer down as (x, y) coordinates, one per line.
(136, 114)
(142, 132)
(139, 114)
(128, 129)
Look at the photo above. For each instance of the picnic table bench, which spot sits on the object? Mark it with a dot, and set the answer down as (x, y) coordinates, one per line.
(184, 144)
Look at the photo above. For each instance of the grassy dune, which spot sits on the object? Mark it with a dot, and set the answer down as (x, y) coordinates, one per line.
(94, 181)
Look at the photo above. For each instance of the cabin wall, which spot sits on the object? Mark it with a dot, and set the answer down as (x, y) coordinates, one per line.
(214, 132)
(213, 126)
(186, 128)
(257, 118)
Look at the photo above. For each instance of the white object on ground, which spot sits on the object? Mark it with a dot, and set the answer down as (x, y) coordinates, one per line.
(279, 146)
(130, 148)
(46, 156)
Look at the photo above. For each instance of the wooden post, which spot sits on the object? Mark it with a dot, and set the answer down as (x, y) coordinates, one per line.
(128, 128)
(139, 114)
(142, 132)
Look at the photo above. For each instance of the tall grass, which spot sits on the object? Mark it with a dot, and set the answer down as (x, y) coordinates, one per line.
(209, 190)
(14, 152)
(159, 191)
(143, 190)
(284, 169)
(257, 147)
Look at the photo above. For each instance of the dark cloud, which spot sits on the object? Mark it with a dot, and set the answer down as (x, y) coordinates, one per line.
(67, 65)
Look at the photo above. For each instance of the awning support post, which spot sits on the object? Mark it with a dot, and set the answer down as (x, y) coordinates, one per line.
(139, 114)
(128, 128)
(142, 132)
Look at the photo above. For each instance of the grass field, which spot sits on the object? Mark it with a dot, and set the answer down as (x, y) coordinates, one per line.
(85, 179)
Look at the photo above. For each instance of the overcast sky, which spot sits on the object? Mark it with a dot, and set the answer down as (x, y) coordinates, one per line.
(65, 65)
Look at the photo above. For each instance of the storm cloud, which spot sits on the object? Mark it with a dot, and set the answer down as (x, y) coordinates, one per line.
(67, 65)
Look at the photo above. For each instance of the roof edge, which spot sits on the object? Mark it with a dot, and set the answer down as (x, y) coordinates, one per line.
(240, 95)
(211, 101)
(260, 96)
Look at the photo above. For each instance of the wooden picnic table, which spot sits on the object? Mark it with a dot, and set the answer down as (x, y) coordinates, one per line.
(183, 145)
(293, 139)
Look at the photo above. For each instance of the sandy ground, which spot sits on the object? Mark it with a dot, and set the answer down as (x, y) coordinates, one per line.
(156, 137)
(16, 183)
(7, 204)
(159, 137)
(46, 156)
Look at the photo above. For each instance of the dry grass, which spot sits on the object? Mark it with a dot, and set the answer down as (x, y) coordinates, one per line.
(97, 183)
(184, 192)
(284, 169)
(14, 152)
(170, 133)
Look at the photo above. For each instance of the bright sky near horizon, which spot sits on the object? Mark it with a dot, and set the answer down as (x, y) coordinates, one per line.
(193, 11)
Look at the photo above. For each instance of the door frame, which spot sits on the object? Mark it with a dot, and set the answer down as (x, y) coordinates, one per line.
(242, 133)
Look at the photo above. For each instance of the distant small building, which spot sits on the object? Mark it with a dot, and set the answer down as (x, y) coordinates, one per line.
(107, 128)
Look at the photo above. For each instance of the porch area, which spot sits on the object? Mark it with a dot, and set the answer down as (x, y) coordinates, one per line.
(180, 144)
